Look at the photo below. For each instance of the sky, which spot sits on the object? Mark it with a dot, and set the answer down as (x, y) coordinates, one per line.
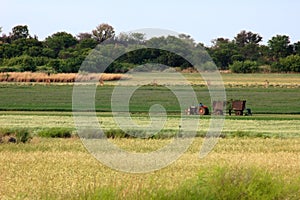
(202, 20)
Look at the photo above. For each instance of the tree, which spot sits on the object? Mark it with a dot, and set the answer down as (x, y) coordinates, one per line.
(23, 44)
(223, 52)
(86, 41)
(244, 67)
(137, 38)
(289, 63)
(59, 41)
(187, 38)
(244, 38)
(297, 47)
(84, 36)
(19, 32)
(126, 39)
(103, 32)
(280, 46)
(248, 44)
(265, 57)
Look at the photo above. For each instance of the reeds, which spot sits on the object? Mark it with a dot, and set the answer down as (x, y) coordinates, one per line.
(40, 77)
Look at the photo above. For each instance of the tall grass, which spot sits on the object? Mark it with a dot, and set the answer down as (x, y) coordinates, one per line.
(56, 132)
(237, 182)
(216, 183)
(238, 168)
(57, 78)
(15, 135)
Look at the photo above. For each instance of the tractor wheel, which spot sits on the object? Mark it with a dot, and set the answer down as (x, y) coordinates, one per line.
(203, 111)
(239, 112)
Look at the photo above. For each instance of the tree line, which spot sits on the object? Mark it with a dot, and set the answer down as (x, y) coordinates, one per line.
(64, 52)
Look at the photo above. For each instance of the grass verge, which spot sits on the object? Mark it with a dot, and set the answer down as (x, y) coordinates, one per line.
(219, 182)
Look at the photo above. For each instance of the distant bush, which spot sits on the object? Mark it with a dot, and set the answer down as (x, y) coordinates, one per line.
(16, 135)
(288, 64)
(244, 67)
(23, 136)
(10, 68)
(55, 133)
(116, 133)
(24, 63)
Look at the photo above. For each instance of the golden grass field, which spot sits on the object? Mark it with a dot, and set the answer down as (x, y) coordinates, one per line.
(63, 169)
(48, 168)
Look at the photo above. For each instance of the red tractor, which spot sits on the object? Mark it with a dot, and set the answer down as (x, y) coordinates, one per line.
(198, 110)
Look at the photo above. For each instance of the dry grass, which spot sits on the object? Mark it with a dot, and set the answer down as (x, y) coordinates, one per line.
(58, 78)
(252, 80)
(229, 79)
(62, 169)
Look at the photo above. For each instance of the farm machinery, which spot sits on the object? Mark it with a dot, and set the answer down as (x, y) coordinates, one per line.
(198, 110)
(236, 106)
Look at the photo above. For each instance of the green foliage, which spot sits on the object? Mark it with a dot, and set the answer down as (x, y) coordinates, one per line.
(23, 136)
(15, 68)
(280, 46)
(288, 64)
(55, 133)
(234, 183)
(216, 183)
(59, 41)
(244, 67)
(65, 53)
(15, 135)
(24, 63)
(19, 31)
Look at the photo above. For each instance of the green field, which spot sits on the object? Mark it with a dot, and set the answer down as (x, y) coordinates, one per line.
(256, 157)
(264, 125)
(59, 98)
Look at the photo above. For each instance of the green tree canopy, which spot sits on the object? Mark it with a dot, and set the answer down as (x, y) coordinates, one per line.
(59, 41)
(19, 32)
(280, 46)
(248, 44)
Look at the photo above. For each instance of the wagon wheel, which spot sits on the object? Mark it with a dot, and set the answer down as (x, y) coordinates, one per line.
(239, 112)
(219, 112)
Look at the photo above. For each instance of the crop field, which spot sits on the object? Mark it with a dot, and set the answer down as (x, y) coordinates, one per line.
(59, 98)
(256, 157)
(237, 167)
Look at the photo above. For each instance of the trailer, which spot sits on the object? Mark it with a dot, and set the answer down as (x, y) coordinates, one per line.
(218, 107)
(236, 106)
